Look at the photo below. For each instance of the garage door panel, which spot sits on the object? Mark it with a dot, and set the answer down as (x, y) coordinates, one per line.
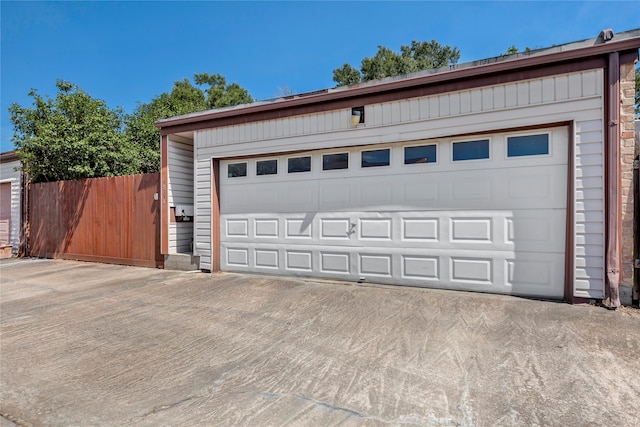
(533, 230)
(416, 229)
(420, 267)
(495, 225)
(518, 273)
(472, 190)
(376, 229)
(375, 192)
(334, 262)
(416, 192)
(266, 228)
(234, 256)
(471, 270)
(535, 274)
(540, 230)
(266, 198)
(335, 228)
(299, 260)
(235, 201)
(375, 264)
(298, 228)
(334, 195)
(464, 230)
(524, 188)
(237, 227)
(266, 258)
(300, 196)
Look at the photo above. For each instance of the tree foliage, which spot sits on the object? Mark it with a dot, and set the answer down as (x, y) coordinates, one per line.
(71, 136)
(386, 63)
(75, 136)
(184, 98)
(513, 49)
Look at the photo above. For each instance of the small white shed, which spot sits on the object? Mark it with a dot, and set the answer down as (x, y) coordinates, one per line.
(10, 203)
(503, 176)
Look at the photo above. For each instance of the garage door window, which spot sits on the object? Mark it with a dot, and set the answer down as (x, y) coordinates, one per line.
(420, 154)
(471, 150)
(267, 167)
(375, 158)
(299, 164)
(528, 145)
(335, 161)
(235, 170)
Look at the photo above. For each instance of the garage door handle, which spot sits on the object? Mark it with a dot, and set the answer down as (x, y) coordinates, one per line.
(352, 229)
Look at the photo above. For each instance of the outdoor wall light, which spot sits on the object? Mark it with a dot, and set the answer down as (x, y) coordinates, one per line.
(357, 116)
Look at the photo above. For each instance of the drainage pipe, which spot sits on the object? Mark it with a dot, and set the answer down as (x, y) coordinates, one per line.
(613, 181)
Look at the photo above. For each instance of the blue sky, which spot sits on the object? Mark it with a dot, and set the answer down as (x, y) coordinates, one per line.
(128, 52)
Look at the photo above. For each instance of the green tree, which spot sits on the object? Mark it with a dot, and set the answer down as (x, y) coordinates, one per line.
(386, 63)
(71, 136)
(346, 75)
(512, 50)
(184, 98)
(219, 93)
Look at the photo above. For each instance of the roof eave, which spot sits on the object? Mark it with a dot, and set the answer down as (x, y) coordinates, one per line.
(496, 67)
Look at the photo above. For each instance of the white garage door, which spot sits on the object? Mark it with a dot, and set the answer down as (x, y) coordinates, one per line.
(485, 213)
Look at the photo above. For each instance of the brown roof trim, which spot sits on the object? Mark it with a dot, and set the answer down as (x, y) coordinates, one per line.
(404, 93)
(9, 156)
(250, 113)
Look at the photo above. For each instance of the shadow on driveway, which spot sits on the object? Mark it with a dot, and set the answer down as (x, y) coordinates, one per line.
(94, 344)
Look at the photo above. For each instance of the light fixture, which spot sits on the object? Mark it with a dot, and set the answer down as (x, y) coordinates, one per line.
(357, 116)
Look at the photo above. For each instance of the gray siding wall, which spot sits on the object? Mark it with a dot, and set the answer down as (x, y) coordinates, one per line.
(202, 240)
(9, 174)
(575, 97)
(180, 190)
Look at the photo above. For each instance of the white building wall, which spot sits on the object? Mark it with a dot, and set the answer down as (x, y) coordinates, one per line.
(180, 190)
(575, 97)
(8, 173)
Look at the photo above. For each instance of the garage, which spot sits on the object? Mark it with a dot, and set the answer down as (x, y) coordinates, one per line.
(510, 175)
(483, 213)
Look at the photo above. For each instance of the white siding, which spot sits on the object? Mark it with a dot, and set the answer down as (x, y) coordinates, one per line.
(180, 190)
(589, 209)
(202, 220)
(9, 174)
(576, 97)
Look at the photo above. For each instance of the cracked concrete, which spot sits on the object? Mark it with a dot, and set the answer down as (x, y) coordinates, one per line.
(93, 344)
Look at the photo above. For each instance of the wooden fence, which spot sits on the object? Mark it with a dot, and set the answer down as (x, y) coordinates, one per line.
(114, 220)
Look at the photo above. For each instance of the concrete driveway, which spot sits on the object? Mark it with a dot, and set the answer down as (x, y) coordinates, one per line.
(91, 344)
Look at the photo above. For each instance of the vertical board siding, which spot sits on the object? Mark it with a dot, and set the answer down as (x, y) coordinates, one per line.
(8, 173)
(113, 220)
(576, 97)
(521, 94)
(180, 191)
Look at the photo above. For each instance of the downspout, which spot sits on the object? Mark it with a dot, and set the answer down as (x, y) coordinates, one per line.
(613, 181)
(636, 228)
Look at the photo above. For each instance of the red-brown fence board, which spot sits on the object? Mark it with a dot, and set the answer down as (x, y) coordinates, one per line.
(114, 220)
